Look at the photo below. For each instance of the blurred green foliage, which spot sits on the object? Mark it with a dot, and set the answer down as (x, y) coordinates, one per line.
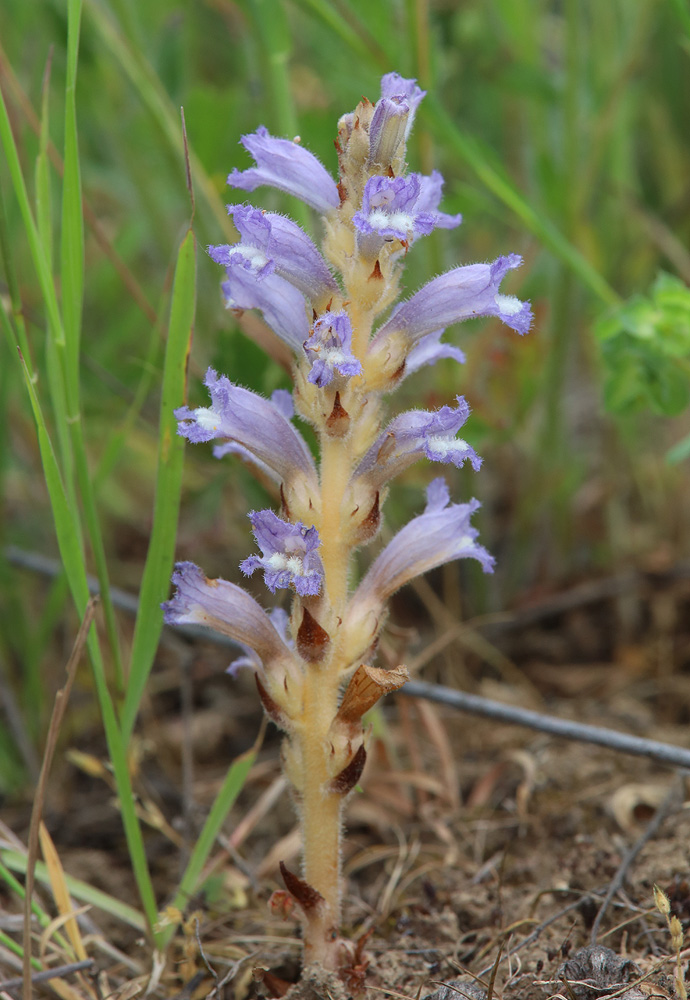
(645, 345)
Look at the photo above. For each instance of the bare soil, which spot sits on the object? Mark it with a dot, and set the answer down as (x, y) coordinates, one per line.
(478, 855)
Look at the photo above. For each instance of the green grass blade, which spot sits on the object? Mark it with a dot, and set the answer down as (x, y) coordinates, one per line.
(69, 543)
(17, 949)
(85, 893)
(159, 560)
(72, 233)
(230, 789)
(18, 889)
(14, 323)
(44, 207)
(36, 247)
(47, 286)
(72, 274)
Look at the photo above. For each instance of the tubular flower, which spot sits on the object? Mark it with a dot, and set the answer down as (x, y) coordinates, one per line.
(272, 243)
(228, 609)
(250, 660)
(402, 208)
(329, 349)
(460, 294)
(288, 554)
(281, 304)
(289, 167)
(429, 350)
(418, 433)
(257, 426)
(439, 535)
(395, 85)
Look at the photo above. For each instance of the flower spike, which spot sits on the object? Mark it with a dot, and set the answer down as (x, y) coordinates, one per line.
(336, 306)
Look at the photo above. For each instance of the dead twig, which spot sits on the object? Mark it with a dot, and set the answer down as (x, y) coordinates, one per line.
(663, 753)
(670, 803)
(61, 699)
(59, 972)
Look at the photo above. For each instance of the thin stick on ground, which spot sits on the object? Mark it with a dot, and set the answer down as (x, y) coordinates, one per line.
(61, 700)
(662, 753)
(59, 972)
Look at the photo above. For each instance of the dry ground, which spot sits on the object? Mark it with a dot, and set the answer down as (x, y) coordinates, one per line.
(477, 853)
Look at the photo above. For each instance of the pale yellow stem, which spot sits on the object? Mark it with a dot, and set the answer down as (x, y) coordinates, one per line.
(320, 808)
(334, 550)
(320, 804)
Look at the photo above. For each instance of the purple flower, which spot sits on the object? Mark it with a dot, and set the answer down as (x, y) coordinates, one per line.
(402, 208)
(387, 131)
(330, 349)
(439, 535)
(457, 295)
(255, 427)
(227, 609)
(394, 85)
(429, 349)
(287, 166)
(272, 243)
(282, 305)
(279, 619)
(392, 119)
(413, 434)
(430, 194)
(288, 554)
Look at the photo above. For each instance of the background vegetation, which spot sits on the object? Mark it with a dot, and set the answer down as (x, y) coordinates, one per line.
(561, 130)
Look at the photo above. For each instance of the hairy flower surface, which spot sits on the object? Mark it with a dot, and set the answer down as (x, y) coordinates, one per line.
(258, 427)
(289, 167)
(329, 349)
(415, 434)
(402, 208)
(273, 243)
(460, 294)
(288, 554)
(228, 609)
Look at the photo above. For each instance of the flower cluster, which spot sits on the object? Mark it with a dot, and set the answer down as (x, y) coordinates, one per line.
(335, 307)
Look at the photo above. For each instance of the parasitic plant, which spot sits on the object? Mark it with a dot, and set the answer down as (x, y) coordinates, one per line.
(312, 665)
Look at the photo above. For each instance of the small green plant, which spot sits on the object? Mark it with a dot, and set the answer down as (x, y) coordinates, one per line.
(645, 349)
